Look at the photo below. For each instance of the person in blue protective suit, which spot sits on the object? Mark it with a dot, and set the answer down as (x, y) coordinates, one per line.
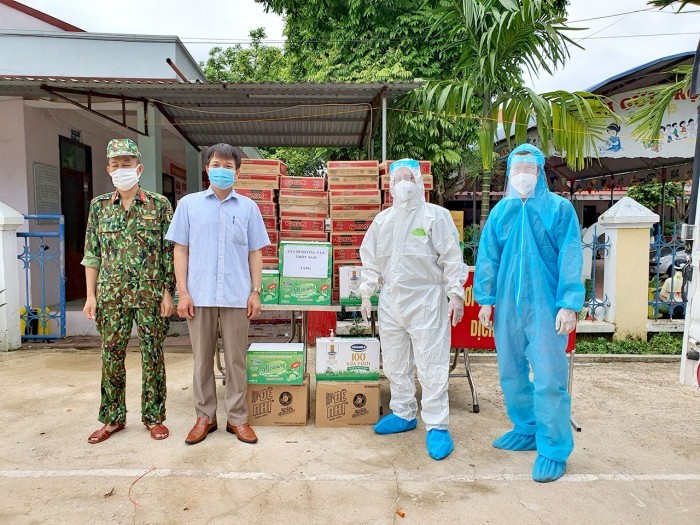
(529, 267)
(413, 248)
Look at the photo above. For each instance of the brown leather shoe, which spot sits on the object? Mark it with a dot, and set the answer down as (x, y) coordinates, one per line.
(200, 430)
(243, 432)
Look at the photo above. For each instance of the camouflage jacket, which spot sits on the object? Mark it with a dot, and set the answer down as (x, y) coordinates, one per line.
(128, 247)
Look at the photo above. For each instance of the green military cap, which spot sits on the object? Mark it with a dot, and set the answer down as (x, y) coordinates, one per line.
(122, 147)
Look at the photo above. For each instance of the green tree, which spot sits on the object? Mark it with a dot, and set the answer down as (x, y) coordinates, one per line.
(651, 195)
(497, 41)
(382, 41)
(256, 63)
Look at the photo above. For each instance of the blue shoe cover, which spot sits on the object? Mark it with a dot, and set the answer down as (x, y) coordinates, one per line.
(391, 424)
(439, 443)
(546, 470)
(514, 441)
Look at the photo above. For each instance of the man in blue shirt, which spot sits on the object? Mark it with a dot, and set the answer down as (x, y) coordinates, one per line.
(219, 236)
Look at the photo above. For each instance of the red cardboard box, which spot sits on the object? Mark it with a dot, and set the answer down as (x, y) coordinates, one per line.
(334, 180)
(270, 223)
(356, 197)
(303, 198)
(270, 252)
(424, 167)
(352, 186)
(347, 239)
(306, 225)
(274, 236)
(271, 263)
(352, 167)
(344, 225)
(267, 209)
(262, 167)
(257, 195)
(303, 183)
(335, 295)
(303, 236)
(346, 254)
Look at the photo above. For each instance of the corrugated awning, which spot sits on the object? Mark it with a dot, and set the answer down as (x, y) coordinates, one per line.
(244, 114)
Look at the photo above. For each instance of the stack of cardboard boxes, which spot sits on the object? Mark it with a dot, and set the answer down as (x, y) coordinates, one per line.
(385, 181)
(258, 179)
(347, 381)
(303, 209)
(355, 199)
(278, 388)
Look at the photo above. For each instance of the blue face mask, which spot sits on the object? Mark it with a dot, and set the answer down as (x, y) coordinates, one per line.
(222, 178)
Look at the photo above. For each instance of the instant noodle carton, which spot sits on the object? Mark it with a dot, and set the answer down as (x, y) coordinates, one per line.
(275, 363)
(270, 287)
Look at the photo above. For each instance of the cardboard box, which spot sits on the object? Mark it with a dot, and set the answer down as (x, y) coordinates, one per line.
(458, 218)
(303, 236)
(262, 167)
(347, 239)
(346, 254)
(305, 273)
(318, 210)
(270, 287)
(352, 167)
(345, 225)
(356, 197)
(353, 186)
(343, 180)
(303, 225)
(303, 183)
(275, 363)
(257, 195)
(355, 211)
(385, 183)
(347, 359)
(260, 182)
(341, 404)
(349, 280)
(305, 291)
(274, 236)
(270, 251)
(425, 167)
(271, 264)
(278, 405)
(303, 198)
(267, 209)
(270, 223)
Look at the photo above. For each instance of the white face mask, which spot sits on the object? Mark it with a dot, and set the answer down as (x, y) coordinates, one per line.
(125, 178)
(523, 183)
(403, 191)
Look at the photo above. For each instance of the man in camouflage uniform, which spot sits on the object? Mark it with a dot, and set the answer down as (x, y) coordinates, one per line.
(129, 273)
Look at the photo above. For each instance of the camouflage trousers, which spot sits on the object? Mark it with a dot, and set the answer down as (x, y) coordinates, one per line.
(114, 325)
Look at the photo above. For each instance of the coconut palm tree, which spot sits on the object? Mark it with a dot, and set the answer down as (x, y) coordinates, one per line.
(500, 40)
(665, 3)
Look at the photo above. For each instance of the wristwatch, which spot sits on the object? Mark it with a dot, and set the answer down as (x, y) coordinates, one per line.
(257, 289)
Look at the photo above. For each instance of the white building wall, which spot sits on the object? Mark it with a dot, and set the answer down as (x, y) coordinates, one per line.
(12, 19)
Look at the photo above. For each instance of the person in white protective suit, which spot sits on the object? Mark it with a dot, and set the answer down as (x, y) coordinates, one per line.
(413, 248)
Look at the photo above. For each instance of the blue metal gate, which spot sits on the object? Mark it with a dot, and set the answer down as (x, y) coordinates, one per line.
(39, 321)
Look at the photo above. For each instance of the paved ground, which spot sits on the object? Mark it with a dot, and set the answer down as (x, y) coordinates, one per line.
(636, 461)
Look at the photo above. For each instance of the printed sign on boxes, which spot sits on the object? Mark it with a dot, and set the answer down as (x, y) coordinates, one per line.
(275, 363)
(278, 405)
(342, 404)
(305, 273)
(347, 359)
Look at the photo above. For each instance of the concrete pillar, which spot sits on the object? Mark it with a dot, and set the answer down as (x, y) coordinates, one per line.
(150, 148)
(627, 225)
(10, 337)
(193, 160)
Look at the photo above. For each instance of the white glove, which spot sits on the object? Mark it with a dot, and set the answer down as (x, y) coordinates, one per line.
(485, 315)
(366, 309)
(455, 309)
(566, 321)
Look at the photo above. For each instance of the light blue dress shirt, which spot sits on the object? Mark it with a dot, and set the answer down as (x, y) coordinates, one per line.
(219, 234)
